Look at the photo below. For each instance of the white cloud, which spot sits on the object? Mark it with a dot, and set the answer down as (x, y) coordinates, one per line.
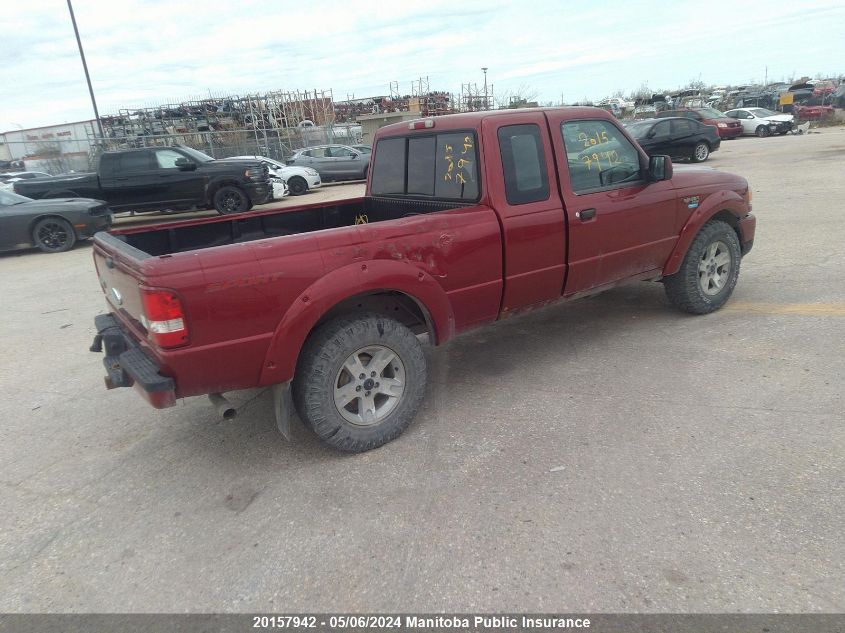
(142, 52)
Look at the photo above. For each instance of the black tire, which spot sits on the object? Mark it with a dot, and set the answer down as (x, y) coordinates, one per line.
(297, 186)
(229, 200)
(686, 288)
(700, 153)
(322, 367)
(762, 131)
(53, 235)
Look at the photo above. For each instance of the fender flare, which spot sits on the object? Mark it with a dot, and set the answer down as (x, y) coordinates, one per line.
(714, 203)
(348, 281)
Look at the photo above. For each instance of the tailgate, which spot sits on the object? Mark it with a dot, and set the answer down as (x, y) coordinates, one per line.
(119, 269)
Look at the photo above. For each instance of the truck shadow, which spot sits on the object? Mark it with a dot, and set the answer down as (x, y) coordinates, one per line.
(555, 335)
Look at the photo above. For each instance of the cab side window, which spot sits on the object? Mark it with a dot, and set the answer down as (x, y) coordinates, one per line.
(523, 163)
(599, 156)
(166, 158)
(134, 161)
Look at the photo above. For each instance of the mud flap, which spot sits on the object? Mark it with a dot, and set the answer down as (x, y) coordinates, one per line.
(283, 407)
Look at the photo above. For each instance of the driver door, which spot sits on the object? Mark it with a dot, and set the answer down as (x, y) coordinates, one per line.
(621, 225)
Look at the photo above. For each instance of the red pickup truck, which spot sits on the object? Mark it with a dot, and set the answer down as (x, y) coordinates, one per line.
(467, 219)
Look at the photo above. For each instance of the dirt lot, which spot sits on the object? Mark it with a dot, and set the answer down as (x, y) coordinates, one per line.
(605, 455)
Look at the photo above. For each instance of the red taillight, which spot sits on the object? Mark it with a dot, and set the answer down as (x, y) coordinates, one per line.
(164, 317)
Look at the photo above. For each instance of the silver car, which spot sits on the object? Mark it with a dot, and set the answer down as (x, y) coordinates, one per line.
(333, 162)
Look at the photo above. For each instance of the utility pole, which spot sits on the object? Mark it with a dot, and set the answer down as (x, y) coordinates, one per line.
(486, 105)
(85, 68)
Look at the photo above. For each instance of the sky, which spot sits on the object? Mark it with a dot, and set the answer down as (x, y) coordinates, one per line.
(147, 52)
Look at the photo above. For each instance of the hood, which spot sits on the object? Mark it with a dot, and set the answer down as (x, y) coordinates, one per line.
(694, 176)
(234, 162)
(780, 117)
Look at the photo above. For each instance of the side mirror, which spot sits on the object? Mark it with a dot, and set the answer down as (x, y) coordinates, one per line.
(659, 168)
(185, 165)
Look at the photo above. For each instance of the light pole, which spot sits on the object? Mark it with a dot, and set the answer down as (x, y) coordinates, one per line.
(85, 68)
(486, 105)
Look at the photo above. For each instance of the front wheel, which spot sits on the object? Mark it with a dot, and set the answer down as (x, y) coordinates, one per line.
(762, 131)
(229, 200)
(53, 235)
(701, 152)
(360, 381)
(297, 186)
(709, 272)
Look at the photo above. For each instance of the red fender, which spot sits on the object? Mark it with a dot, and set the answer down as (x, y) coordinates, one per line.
(343, 283)
(713, 204)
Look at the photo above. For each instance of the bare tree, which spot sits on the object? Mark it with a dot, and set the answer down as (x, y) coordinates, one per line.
(523, 96)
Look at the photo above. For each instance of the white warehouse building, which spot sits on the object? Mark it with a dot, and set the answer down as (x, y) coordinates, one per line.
(55, 149)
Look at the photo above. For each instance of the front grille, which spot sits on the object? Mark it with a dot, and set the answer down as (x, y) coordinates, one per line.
(99, 210)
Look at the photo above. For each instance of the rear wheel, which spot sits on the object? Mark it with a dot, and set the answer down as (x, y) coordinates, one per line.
(360, 381)
(53, 235)
(229, 200)
(297, 186)
(762, 131)
(701, 152)
(709, 272)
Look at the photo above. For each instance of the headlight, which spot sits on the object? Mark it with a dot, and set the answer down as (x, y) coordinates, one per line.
(722, 124)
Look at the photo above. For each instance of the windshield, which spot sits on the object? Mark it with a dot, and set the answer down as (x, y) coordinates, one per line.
(761, 112)
(711, 113)
(7, 198)
(196, 154)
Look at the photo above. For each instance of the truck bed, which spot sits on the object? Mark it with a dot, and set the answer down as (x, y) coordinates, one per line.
(219, 231)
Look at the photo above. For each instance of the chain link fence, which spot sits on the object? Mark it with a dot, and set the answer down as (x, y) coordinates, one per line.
(56, 156)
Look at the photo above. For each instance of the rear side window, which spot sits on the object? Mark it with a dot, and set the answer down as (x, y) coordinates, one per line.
(523, 163)
(421, 155)
(389, 167)
(440, 166)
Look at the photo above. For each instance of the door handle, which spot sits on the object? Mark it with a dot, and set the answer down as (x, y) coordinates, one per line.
(585, 214)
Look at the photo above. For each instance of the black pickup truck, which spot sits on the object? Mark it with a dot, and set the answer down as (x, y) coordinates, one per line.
(159, 178)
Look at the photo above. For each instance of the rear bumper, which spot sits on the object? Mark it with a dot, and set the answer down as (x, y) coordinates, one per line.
(128, 366)
(747, 226)
(730, 132)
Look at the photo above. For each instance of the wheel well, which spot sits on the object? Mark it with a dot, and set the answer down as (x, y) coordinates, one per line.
(729, 218)
(44, 217)
(215, 187)
(390, 303)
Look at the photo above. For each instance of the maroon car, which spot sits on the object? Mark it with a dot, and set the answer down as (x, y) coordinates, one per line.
(727, 127)
(812, 112)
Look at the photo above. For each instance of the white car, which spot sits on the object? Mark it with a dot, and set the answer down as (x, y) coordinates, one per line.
(618, 102)
(761, 121)
(299, 179)
(280, 188)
